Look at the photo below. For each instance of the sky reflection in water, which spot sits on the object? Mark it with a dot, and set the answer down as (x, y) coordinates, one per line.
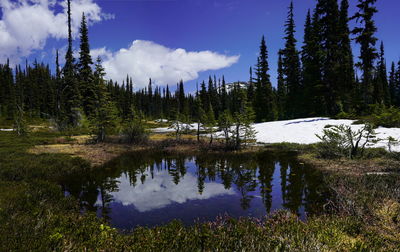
(150, 189)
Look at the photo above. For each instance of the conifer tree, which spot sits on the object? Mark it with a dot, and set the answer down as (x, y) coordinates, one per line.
(87, 86)
(181, 98)
(365, 37)
(200, 115)
(392, 84)
(381, 88)
(311, 56)
(291, 68)
(70, 97)
(224, 95)
(204, 97)
(250, 88)
(328, 13)
(210, 122)
(346, 63)
(281, 92)
(397, 85)
(103, 119)
(264, 103)
(8, 96)
(225, 123)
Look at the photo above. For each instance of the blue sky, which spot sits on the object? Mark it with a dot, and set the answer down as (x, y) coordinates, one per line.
(225, 27)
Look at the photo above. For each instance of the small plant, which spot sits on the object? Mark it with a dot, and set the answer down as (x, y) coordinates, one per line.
(134, 130)
(243, 130)
(342, 141)
(385, 116)
(180, 126)
(20, 125)
(225, 123)
(391, 142)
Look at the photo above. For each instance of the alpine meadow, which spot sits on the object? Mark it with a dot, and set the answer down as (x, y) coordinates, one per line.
(186, 125)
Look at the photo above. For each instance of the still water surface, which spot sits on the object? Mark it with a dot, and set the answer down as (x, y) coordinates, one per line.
(149, 189)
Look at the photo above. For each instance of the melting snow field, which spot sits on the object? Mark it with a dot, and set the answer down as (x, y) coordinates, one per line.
(303, 131)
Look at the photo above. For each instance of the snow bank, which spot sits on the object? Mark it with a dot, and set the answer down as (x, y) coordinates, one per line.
(303, 131)
(168, 130)
(6, 129)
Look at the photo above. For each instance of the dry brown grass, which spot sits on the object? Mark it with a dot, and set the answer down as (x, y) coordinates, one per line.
(357, 167)
(96, 154)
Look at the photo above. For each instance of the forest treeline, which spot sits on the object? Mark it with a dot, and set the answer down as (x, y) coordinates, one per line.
(317, 79)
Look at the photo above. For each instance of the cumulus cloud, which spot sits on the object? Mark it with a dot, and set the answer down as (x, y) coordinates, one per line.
(161, 191)
(27, 24)
(146, 59)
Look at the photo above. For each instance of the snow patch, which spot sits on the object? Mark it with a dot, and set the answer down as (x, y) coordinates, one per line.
(6, 129)
(303, 131)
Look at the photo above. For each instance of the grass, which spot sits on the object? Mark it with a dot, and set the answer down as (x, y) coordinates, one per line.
(35, 215)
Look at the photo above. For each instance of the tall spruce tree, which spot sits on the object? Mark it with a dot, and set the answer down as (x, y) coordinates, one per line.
(397, 85)
(104, 114)
(381, 88)
(346, 80)
(250, 88)
(264, 103)
(87, 86)
(311, 57)
(291, 68)
(281, 92)
(328, 13)
(70, 96)
(365, 37)
(392, 84)
(181, 98)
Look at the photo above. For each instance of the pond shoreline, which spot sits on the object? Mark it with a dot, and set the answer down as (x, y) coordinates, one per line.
(364, 212)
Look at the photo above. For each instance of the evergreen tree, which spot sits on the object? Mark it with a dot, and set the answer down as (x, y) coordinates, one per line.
(346, 63)
(70, 97)
(281, 92)
(7, 92)
(264, 100)
(314, 89)
(365, 37)
(224, 95)
(87, 86)
(328, 19)
(291, 68)
(210, 122)
(103, 118)
(381, 88)
(225, 123)
(392, 85)
(200, 114)
(181, 98)
(250, 88)
(397, 85)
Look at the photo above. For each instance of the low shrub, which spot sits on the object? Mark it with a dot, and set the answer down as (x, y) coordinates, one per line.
(341, 141)
(381, 115)
(134, 132)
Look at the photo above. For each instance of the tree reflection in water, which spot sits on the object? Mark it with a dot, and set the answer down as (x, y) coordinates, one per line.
(141, 179)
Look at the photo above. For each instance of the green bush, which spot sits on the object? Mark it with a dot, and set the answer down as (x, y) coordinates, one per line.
(385, 116)
(134, 132)
(342, 141)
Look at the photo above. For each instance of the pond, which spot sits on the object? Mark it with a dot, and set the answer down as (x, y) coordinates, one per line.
(150, 189)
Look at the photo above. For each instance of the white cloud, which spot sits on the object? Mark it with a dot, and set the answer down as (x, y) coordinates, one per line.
(27, 24)
(100, 52)
(146, 59)
(161, 191)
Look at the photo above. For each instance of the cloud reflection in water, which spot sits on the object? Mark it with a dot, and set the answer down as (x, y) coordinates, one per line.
(161, 191)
